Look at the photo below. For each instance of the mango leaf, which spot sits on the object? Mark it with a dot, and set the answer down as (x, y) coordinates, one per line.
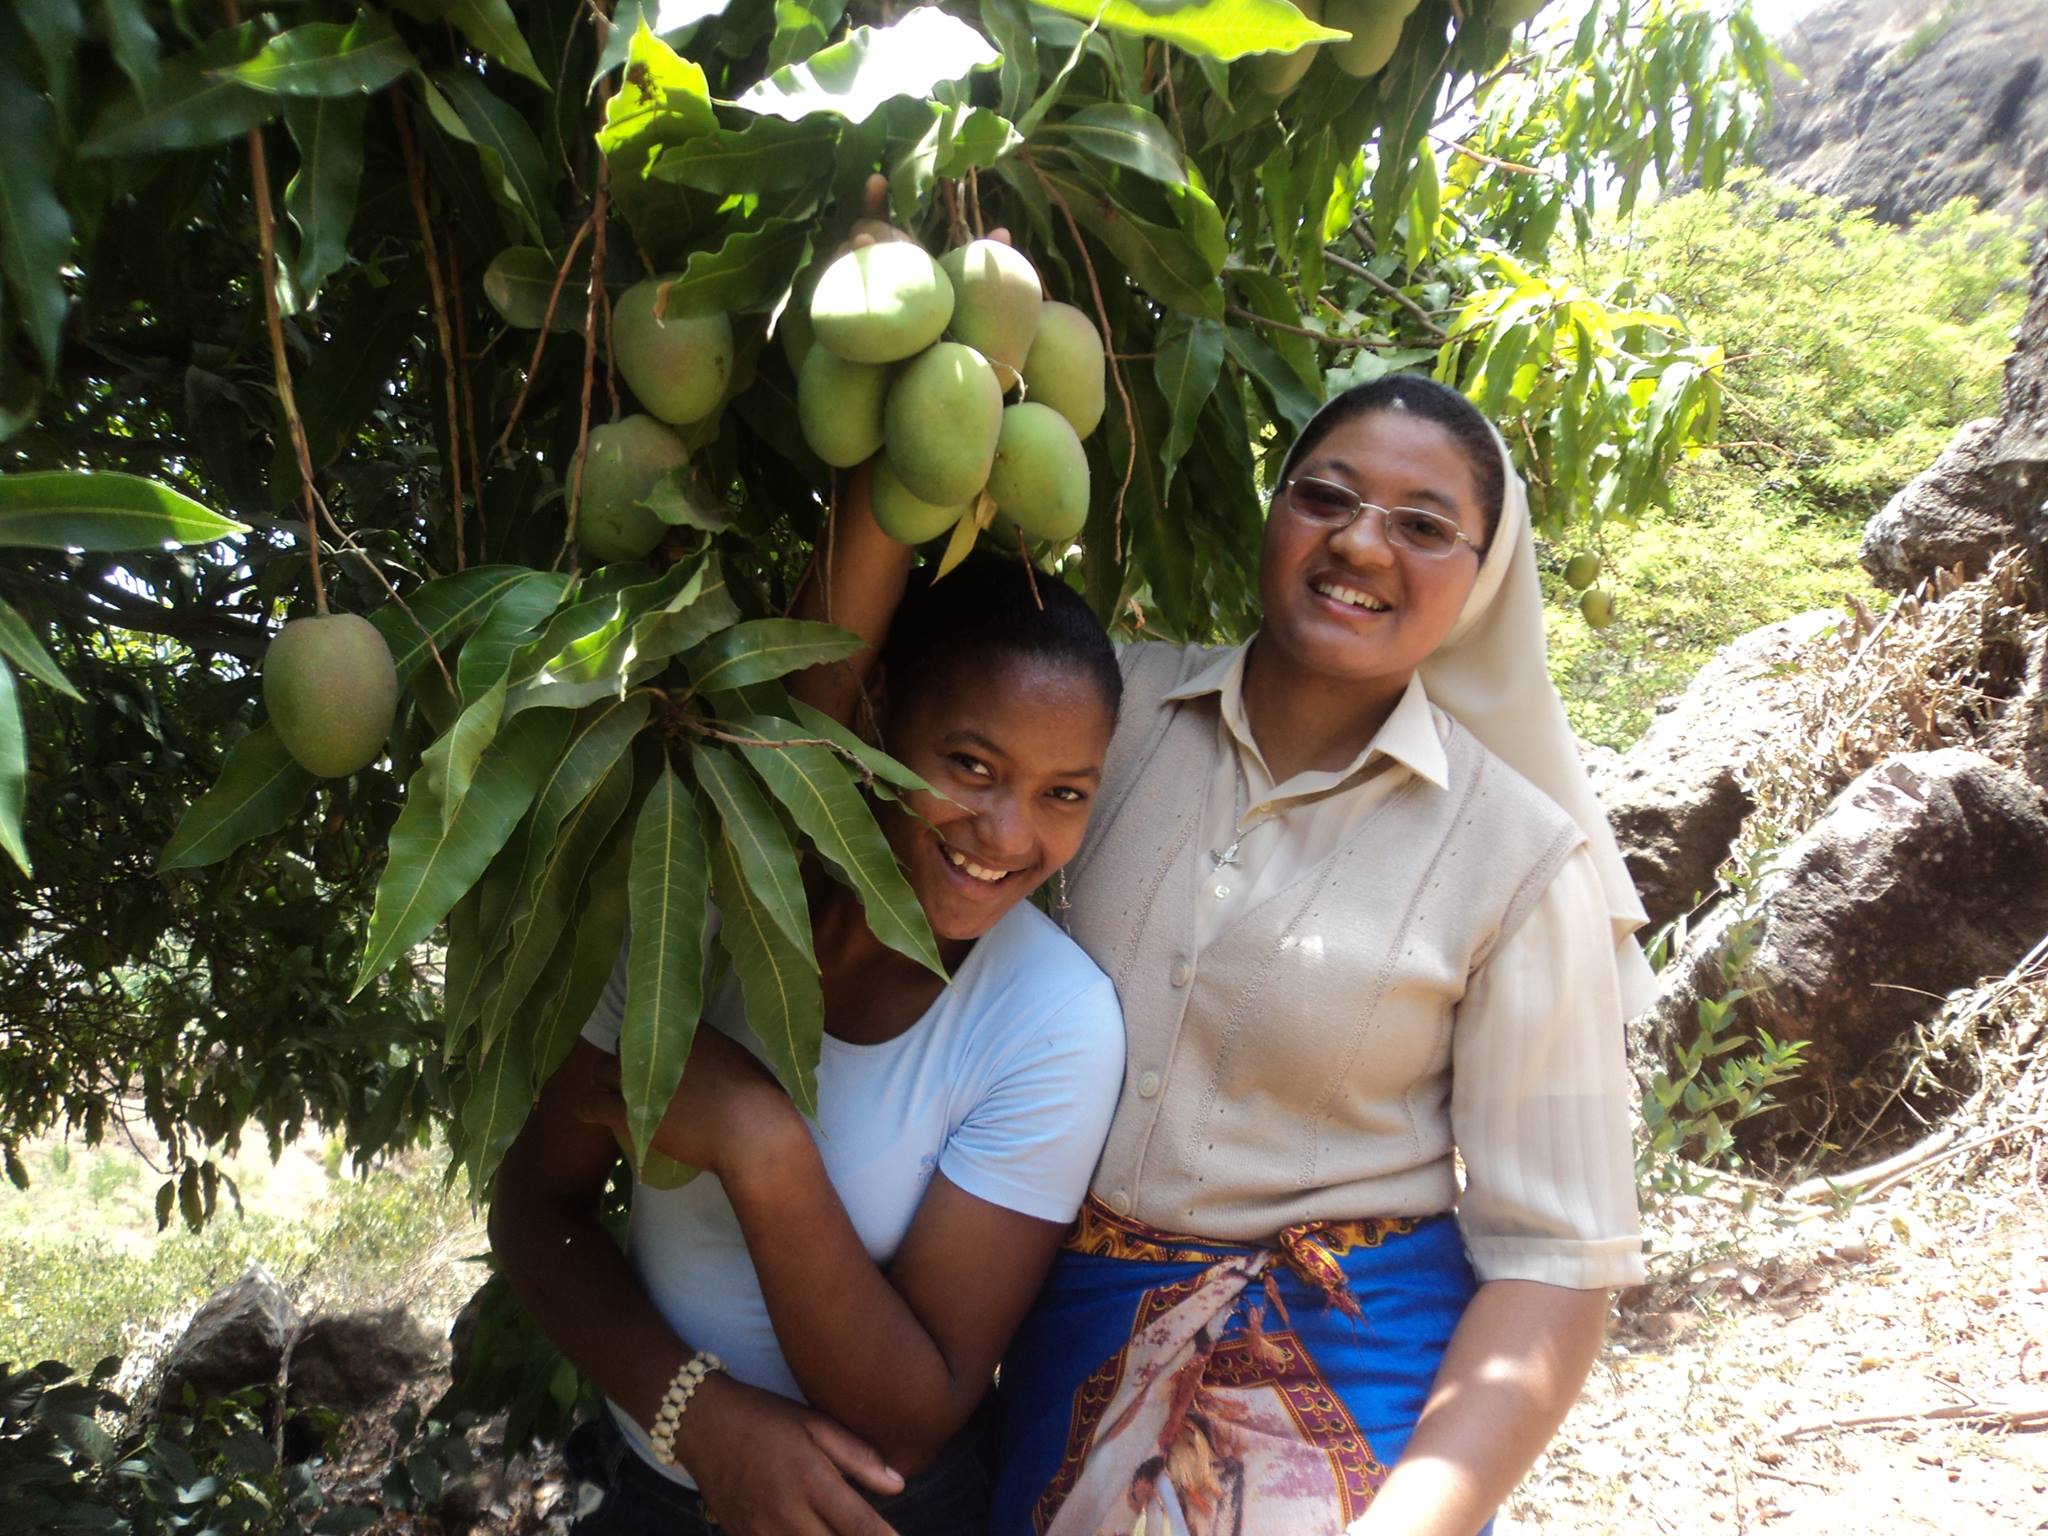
(13, 774)
(664, 955)
(191, 102)
(599, 933)
(973, 137)
(430, 864)
(1009, 23)
(328, 58)
(260, 789)
(758, 842)
(751, 270)
(18, 643)
(761, 649)
(520, 280)
(873, 65)
(489, 26)
(778, 981)
(514, 616)
(35, 230)
(801, 29)
(600, 740)
(475, 729)
(321, 196)
(1189, 361)
(102, 511)
(499, 1099)
(591, 641)
(885, 769)
(700, 610)
(514, 166)
(662, 101)
(1292, 400)
(1123, 135)
(545, 907)
(1209, 29)
(444, 609)
(768, 155)
(820, 794)
(681, 499)
(1267, 295)
(132, 40)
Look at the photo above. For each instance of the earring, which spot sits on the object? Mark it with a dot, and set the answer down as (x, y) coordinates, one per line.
(1060, 902)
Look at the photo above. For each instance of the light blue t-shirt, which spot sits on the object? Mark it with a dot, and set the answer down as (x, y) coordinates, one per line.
(1006, 1085)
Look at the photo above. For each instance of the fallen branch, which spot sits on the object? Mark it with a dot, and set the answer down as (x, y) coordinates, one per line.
(2010, 1415)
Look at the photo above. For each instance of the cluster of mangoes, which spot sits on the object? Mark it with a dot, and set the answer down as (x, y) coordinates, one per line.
(1375, 28)
(679, 367)
(910, 357)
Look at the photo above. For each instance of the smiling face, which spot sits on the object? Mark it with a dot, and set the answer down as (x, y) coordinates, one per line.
(1016, 751)
(1344, 604)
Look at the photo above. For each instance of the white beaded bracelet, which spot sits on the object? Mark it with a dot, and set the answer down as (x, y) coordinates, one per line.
(688, 1378)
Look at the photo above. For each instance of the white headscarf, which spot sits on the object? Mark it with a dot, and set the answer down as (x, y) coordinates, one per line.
(1491, 674)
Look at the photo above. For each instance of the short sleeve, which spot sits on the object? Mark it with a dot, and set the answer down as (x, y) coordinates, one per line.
(1030, 1142)
(1540, 1093)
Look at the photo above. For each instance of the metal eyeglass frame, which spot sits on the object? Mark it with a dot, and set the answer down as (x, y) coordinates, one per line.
(1360, 506)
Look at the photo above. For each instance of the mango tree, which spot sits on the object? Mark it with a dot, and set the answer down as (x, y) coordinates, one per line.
(509, 332)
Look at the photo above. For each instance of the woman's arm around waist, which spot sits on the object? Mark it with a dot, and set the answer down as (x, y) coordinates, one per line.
(764, 1464)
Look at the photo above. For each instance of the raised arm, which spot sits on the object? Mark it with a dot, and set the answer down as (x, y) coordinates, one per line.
(764, 1464)
(856, 582)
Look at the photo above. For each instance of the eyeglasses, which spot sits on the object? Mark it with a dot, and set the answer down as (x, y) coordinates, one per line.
(1329, 505)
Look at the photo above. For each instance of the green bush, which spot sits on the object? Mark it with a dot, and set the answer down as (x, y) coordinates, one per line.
(1854, 348)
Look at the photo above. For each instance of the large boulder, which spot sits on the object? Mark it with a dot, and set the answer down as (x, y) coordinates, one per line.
(1929, 872)
(1676, 798)
(2021, 451)
(1961, 510)
(350, 1361)
(1902, 105)
(235, 1340)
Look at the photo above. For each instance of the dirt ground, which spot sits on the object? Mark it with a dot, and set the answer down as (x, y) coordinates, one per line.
(1881, 1371)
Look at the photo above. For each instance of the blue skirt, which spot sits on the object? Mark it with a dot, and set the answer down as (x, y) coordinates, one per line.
(1204, 1387)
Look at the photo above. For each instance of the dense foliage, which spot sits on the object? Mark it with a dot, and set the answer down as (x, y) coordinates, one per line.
(455, 191)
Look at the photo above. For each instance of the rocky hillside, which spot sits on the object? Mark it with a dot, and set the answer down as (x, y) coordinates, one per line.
(1906, 104)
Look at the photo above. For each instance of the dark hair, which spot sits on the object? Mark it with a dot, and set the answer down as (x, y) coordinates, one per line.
(1430, 401)
(985, 611)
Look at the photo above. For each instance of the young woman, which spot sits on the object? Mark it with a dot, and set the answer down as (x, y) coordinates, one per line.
(1365, 918)
(873, 1263)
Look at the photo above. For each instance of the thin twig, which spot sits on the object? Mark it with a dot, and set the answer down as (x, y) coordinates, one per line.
(974, 202)
(1460, 147)
(1030, 575)
(347, 541)
(417, 186)
(295, 428)
(1115, 374)
(1380, 284)
(595, 289)
(540, 342)
(476, 473)
(1239, 312)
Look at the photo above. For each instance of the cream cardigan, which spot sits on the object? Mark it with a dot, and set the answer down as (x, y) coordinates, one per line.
(1321, 1055)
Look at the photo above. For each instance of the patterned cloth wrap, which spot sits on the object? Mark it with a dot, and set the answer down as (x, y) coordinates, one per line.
(1180, 1386)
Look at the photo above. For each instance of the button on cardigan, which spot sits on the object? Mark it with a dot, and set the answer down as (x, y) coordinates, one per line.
(1408, 956)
